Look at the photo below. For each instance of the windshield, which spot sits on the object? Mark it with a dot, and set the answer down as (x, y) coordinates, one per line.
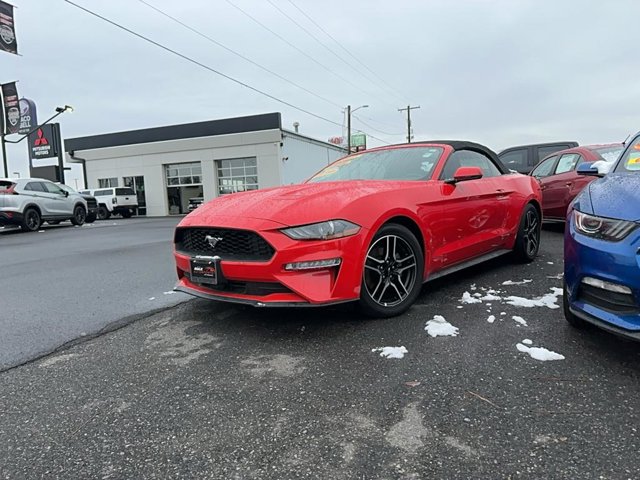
(630, 162)
(610, 154)
(125, 191)
(409, 163)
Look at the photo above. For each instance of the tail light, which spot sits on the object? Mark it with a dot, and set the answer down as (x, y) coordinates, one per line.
(9, 191)
(114, 200)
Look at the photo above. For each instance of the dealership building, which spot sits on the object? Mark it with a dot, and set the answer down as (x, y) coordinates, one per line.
(169, 165)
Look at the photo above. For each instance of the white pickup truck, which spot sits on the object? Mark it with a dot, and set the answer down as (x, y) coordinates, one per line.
(114, 201)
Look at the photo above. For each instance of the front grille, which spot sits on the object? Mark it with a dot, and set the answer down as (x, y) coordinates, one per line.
(92, 203)
(256, 289)
(243, 245)
(610, 301)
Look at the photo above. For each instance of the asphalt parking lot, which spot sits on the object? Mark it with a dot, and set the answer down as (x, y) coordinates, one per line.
(208, 390)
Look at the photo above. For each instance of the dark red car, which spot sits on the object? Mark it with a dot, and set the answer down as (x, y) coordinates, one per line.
(371, 227)
(559, 180)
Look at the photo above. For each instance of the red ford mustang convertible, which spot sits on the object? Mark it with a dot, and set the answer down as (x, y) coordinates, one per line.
(371, 227)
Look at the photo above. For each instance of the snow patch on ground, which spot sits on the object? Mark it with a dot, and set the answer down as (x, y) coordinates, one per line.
(391, 352)
(489, 297)
(539, 353)
(549, 300)
(467, 298)
(511, 282)
(439, 327)
(526, 341)
(491, 319)
(520, 320)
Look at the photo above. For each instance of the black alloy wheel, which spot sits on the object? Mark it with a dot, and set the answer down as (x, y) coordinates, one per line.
(393, 272)
(79, 215)
(31, 220)
(528, 240)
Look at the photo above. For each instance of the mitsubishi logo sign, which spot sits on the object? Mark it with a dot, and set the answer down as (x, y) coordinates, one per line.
(42, 142)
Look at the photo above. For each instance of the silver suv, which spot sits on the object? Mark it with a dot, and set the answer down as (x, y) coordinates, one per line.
(27, 202)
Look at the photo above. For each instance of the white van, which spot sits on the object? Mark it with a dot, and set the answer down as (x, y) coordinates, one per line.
(114, 201)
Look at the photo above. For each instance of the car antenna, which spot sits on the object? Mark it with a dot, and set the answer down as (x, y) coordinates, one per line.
(624, 142)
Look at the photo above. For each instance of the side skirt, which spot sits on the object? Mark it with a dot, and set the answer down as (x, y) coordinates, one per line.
(467, 264)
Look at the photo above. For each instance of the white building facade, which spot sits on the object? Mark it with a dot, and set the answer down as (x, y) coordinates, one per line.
(168, 166)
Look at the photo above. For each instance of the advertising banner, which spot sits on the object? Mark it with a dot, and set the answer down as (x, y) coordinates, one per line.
(11, 108)
(28, 116)
(8, 42)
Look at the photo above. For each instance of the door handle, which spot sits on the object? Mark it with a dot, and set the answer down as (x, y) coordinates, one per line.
(568, 184)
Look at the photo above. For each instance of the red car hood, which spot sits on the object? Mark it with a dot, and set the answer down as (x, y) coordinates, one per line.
(291, 205)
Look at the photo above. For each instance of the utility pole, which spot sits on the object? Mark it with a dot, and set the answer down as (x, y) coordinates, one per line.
(408, 109)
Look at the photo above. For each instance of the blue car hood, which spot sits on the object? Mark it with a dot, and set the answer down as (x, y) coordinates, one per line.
(617, 195)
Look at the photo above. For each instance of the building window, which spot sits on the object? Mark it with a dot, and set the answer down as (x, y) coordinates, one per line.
(237, 175)
(184, 187)
(107, 182)
(183, 174)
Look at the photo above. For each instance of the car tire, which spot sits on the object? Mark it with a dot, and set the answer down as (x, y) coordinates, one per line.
(392, 273)
(91, 217)
(126, 214)
(572, 319)
(103, 213)
(79, 215)
(528, 240)
(31, 220)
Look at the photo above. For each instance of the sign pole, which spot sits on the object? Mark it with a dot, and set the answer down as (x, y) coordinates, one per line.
(58, 142)
(5, 160)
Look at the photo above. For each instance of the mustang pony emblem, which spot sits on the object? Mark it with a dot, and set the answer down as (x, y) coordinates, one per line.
(212, 241)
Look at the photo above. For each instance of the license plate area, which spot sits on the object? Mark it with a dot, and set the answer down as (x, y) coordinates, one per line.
(205, 270)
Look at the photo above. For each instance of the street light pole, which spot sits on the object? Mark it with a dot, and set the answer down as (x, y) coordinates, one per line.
(349, 112)
(348, 130)
(4, 141)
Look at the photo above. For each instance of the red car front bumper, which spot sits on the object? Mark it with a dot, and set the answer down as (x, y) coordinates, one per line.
(268, 283)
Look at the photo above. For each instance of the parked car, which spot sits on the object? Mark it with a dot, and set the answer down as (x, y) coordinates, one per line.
(523, 158)
(559, 180)
(115, 201)
(371, 227)
(601, 249)
(195, 202)
(27, 202)
(92, 205)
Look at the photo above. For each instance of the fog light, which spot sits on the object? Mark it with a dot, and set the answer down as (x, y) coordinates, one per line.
(313, 264)
(611, 287)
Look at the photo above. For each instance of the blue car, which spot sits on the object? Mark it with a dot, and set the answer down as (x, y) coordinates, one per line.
(602, 249)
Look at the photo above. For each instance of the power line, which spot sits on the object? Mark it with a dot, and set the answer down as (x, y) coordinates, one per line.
(393, 90)
(206, 67)
(374, 128)
(292, 20)
(212, 40)
(200, 64)
(346, 80)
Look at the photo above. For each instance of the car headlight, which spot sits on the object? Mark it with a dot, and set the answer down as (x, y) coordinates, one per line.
(322, 231)
(602, 228)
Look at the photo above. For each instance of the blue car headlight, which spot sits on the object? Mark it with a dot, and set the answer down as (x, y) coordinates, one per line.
(602, 228)
(328, 230)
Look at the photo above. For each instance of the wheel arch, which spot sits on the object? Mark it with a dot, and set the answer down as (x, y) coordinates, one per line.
(34, 206)
(412, 226)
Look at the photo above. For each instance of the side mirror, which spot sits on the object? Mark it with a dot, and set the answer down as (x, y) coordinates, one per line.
(588, 169)
(464, 174)
(65, 193)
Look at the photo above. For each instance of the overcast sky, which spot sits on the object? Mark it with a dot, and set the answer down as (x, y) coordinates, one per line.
(499, 72)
